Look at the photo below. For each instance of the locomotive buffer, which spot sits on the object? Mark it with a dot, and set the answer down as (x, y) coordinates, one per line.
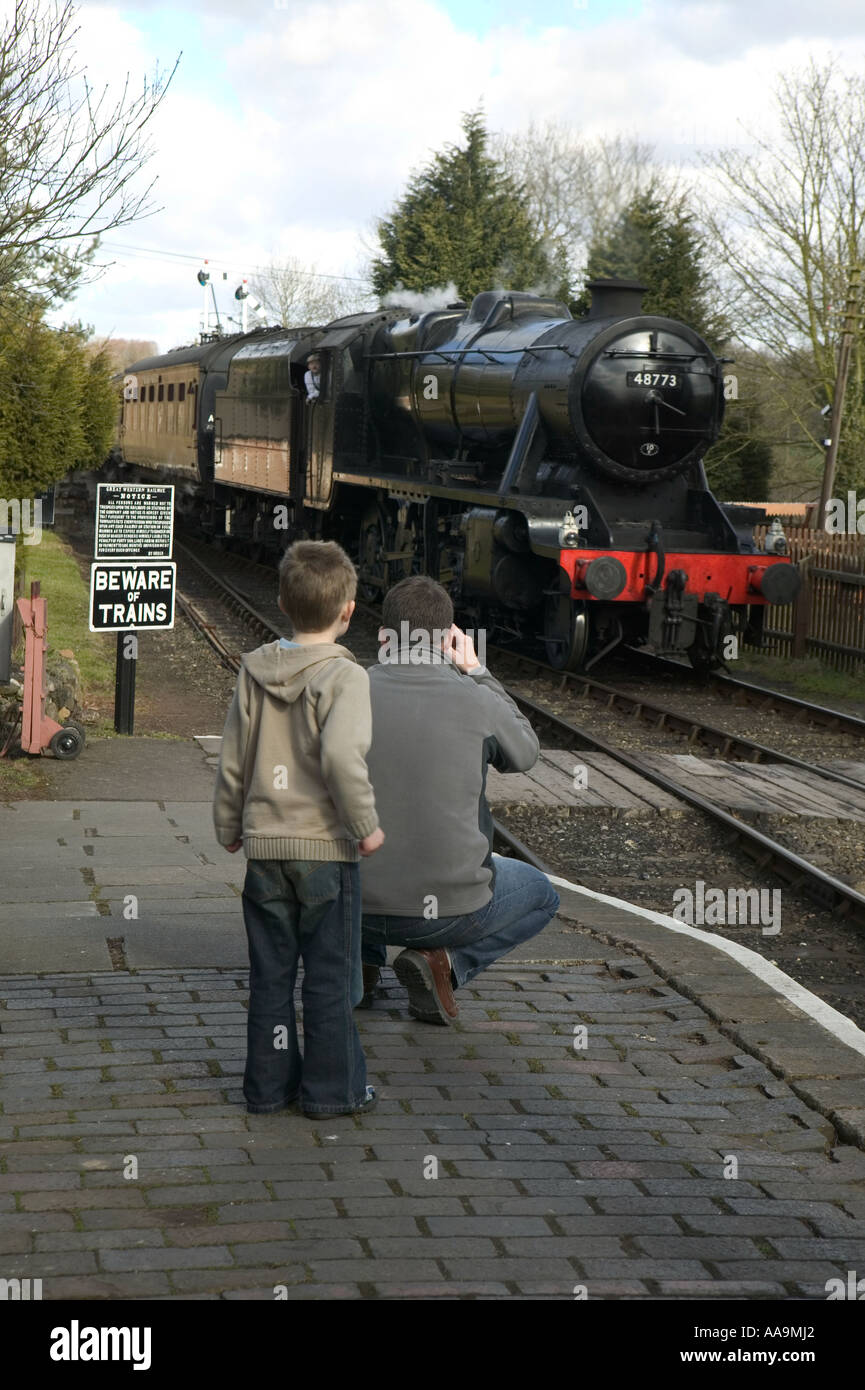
(132, 579)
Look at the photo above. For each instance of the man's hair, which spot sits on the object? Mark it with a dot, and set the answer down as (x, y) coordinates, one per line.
(316, 581)
(419, 601)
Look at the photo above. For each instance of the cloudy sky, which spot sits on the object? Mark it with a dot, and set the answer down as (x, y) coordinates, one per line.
(292, 124)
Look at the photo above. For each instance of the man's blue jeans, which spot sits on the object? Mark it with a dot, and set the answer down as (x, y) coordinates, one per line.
(523, 902)
(297, 910)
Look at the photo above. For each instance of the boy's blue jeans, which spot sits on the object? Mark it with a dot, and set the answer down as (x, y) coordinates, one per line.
(305, 910)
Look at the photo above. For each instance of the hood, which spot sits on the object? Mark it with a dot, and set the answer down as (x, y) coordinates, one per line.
(286, 671)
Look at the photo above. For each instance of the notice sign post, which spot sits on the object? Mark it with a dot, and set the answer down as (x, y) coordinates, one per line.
(134, 520)
(133, 578)
(132, 595)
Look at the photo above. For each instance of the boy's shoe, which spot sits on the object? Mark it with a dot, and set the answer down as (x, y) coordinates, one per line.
(371, 981)
(366, 1104)
(426, 976)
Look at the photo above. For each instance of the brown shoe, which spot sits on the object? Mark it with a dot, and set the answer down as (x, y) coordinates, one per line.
(426, 975)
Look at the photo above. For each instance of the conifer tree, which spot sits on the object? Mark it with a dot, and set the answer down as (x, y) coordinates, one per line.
(58, 406)
(656, 242)
(461, 221)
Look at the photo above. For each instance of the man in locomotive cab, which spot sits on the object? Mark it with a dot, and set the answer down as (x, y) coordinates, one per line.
(312, 377)
(439, 719)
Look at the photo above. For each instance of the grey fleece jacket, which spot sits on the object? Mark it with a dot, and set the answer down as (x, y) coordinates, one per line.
(434, 732)
(292, 779)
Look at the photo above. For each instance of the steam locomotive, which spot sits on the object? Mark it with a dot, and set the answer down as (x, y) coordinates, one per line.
(547, 470)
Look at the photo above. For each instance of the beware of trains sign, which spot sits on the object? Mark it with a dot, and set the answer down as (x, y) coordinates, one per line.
(134, 519)
(137, 595)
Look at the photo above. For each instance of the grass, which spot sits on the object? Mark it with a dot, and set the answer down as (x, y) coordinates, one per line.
(19, 775)
(68, 603)
(806, 678)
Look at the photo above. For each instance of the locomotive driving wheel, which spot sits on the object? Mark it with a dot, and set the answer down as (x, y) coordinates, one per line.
(372, 561)
(566, 632)
(386, 551)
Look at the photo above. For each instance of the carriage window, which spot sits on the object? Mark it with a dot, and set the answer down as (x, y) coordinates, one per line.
(150, 397)
(171, 390)
(181, 391)
(160, 395)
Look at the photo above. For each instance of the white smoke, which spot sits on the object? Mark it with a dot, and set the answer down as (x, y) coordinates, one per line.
(419, 303)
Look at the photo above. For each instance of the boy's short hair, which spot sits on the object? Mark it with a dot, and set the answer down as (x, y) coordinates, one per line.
(419, 601)
(316, 580)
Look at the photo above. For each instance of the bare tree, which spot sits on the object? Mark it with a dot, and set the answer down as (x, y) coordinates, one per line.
(789, 226)
(69, 155)
(293, 293)
(119, 352)
(575, 188)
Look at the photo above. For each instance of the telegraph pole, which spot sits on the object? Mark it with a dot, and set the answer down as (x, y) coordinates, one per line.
(851, 323)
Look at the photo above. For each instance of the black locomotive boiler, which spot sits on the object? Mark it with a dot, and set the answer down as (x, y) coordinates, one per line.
(548, 470)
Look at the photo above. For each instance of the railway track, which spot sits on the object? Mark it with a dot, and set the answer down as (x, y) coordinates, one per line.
(691, 727)
(759, 697)
(832, 893)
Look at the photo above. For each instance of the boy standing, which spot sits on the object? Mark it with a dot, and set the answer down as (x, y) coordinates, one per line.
(293, 789)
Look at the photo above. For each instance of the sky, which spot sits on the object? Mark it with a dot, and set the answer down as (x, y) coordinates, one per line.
(292, 125)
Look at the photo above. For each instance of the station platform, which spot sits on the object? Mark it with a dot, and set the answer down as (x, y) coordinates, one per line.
(626, 1108)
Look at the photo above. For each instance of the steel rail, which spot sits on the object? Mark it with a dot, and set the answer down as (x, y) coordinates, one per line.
(746, 692)
(695, 730)
(830, 892)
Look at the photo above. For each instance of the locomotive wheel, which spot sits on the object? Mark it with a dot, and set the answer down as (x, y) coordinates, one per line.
(371, 563)
(566, 632)
(701, 656)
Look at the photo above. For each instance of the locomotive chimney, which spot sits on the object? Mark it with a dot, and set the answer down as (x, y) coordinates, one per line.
(615, 299)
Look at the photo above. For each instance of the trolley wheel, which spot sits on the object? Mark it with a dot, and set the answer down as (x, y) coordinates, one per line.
(67, 742)
(566, 632)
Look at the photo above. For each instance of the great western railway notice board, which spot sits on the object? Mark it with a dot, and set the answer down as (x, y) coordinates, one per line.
(134, 519)
(132, 595)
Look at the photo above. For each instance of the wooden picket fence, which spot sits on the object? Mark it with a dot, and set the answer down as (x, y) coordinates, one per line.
(828, 618)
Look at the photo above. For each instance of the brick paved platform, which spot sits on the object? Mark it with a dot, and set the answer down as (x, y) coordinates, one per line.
(603, 1166)
(689, 1144)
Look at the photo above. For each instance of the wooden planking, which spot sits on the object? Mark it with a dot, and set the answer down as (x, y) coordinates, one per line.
(811, 798)
(850, 769)
(562, 782)
(516, 789)
(637, 787)
(793, 797)
(610, 793)
(716, 782)
(762, 788)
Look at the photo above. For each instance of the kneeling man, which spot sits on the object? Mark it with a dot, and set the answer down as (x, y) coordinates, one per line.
(438, 720)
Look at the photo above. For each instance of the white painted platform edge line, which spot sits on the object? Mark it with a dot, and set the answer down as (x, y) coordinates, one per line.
(841, 1027)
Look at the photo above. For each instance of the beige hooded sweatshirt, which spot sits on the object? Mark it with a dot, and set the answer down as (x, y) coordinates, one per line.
(292, 778)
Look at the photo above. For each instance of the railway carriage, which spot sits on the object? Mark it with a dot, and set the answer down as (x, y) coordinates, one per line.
(547, 469)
